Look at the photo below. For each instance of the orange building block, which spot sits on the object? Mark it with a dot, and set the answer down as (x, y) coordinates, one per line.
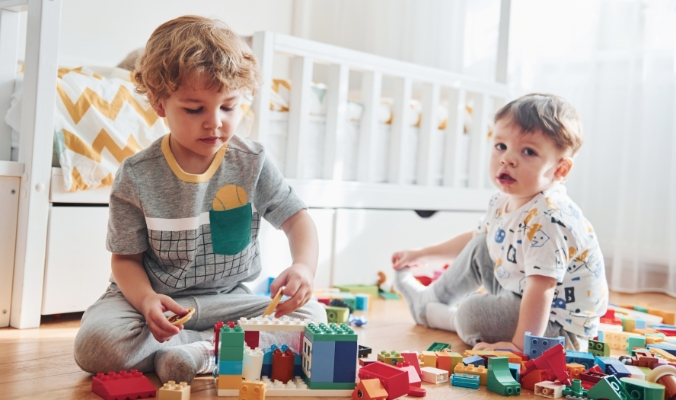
(251, 390)
(537, 376)
(369, 389)
(473, 370)
(229, 381)
(428, 359)
(444, 361)
(574, 370)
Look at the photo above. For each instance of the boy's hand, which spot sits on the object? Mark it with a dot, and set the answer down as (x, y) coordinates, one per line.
(153, 308)
(298, 280)
(407, 258)
(498, 345)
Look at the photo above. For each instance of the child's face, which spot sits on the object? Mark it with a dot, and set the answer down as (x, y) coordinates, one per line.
(201, 120)
(524, 164)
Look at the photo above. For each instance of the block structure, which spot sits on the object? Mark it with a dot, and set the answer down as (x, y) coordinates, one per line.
(132, 385)
(334, 349)
(230, 357)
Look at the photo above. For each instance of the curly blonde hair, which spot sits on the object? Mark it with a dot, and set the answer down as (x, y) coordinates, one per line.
(551, 114)
(192, 45)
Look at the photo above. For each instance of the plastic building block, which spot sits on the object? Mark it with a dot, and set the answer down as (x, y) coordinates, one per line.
(500, 380)
(252, 391)
(598, 348)
(664, 375)
(575, 370)
(414, 391)
(608, 388)
(635, 372)
(575, 390)
(474, 360)
(553, 361)
(172, 391)
(456, 359)
(364, 362)
(534, 346)
(282, 365)
(176, 319)
(663, 354)
(345, 362)
(618, 340)
(229, 382)
(482, 372)
(331, 332)
(412, 359)
(123, 385)
(273, 303)
(634, 342)
(669, 348)
(434, 375)
(270, 324)
(618, 370)
(580, 357)
(529, 380)
(356, 290)
(337, 315)
(642, 390)
(362, 301)
(252, 364)
(465, 380)
(551, 390)
(390, 357)
(230, 367)
(293, 389)
(413, 378)
(369, 389)
(318, 361)
(438, 346)
(231, 353)
(428, 359)
(515, 370)
(252, 338)
(443, 361)
(364, 351)
(394, 380)
(231, 337)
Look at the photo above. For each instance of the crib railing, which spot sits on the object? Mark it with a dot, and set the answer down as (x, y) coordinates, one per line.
(304, 54)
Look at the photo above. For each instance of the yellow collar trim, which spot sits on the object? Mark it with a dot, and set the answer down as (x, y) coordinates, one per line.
(191, 178)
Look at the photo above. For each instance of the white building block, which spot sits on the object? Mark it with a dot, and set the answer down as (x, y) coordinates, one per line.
(635, 372)
(434, 375)
(252, 364)
(270, 324)
(549, 389)
(294, 388)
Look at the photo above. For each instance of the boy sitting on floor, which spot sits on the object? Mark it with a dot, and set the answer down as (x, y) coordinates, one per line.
(534, 253)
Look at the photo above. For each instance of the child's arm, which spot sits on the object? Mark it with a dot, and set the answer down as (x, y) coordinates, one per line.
(132, 280)
(302, 235)
(536, 302)
(445, 251)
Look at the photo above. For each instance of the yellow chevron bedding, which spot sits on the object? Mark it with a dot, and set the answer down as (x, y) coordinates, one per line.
(98, 123)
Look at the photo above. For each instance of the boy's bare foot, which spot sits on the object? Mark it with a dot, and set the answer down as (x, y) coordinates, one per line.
(416, 294)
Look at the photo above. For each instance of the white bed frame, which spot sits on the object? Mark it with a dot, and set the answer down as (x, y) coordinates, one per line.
(40, 184)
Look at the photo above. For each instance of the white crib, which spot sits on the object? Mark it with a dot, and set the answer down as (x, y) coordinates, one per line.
(60, 263)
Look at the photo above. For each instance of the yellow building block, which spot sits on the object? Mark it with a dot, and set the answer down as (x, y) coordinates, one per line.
(653, 340)
(252, 390)
(456, 359)
(428, 359)
(668, 317)
(172, 391)
(228, 381)
(618, 340)
(472, 370)
(663, 353)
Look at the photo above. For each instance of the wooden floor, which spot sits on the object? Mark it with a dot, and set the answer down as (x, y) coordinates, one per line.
(38, 363)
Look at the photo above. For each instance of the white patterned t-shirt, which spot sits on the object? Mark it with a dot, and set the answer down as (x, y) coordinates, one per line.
(549, 236)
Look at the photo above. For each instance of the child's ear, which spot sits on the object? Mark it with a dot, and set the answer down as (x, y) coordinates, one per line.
(563, 169)
(159, 109)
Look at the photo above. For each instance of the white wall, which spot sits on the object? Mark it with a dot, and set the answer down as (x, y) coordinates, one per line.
(103, 32)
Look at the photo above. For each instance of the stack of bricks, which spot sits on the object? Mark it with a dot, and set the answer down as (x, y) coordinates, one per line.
(230, 357)
(329, 356)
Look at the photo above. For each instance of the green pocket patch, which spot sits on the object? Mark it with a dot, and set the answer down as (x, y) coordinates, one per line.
(230, 229)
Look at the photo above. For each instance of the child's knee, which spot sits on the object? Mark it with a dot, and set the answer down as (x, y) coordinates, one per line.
(312, 310)
(466, 323)
(97, 350)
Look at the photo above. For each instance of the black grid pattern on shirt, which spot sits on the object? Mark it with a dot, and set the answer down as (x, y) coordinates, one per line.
(181, 259)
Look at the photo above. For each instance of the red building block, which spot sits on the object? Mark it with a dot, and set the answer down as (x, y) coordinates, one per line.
(252, 338)
(282, 365)
(553, 361)
(125, 385)
(412, 359)
(413, 377)
(217, 334)
(529, 380)
(394, 380)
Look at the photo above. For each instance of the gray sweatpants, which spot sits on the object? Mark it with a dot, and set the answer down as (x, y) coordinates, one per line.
(490, 317)
(114, 335)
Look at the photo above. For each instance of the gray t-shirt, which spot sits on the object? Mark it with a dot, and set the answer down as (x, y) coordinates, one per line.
(198, 233)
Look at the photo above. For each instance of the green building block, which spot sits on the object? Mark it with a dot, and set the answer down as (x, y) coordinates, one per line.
(330, 333)
(576, 390)
(231, 353)
(390, 357)
(500, 379)
(599, 348)
(633, 342)
(609, 387)
(456, 358)
(641, 309)
(438, 346)
(360, 289)
(643, 390)
(337, 315)
(231, 337)
(329, 385)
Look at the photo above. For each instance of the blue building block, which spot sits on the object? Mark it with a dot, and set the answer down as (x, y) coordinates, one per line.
(297, 365)
(515, 369)
(465, 380)
(580, 357)
(477, 361)
(345, 362)
(534, 346)
(619, 370)
(362, 302)
(640, 323)
(322, 357)
(226, 367)
(666, 347)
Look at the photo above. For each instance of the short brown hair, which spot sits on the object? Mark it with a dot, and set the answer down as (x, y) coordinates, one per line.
(189, 45)
(554, 116)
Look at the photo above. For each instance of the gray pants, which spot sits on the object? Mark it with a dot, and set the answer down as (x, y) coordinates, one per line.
(114, 335)
(490, 317)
